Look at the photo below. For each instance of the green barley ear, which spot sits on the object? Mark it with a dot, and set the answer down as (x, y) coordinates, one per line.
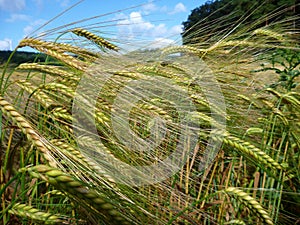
(269, 33)
(250, 202)
(51, 70)
(236, 222)
(249, 150)
(27, 129)
(94, 38)
(26, 211)
(41, 97)
(77, 156)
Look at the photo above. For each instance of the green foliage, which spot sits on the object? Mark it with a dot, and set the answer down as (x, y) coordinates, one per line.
(285, 63)
(22, 57)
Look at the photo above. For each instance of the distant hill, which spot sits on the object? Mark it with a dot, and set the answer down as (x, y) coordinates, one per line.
(22, 57)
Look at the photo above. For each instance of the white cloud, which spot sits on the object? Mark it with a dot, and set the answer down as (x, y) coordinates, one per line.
(17, 17)
(134, 25)
(12, 5)
(160, 43)
(134, 28)
(149, 7)
(33, 26)
(64, 3)
(176, 30)
(6, 44)
(180, 7)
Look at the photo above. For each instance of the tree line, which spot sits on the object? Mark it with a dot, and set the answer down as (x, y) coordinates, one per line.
(226, 13)
(23, 57)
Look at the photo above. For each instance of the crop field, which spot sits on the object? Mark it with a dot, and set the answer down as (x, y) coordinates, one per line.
(206, 133)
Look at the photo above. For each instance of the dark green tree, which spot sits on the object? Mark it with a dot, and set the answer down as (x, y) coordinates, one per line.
(217, 16)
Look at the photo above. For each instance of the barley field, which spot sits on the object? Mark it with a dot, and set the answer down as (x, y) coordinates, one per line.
(207, 133)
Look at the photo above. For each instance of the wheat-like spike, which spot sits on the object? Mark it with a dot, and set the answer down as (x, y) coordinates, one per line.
(292, 99)
(251, 150)
(51, 50)
(155, 70)
(101, 118)
(129, 74)
(269, 33)
(33, 42)
(77, 50)
(27, 129)
(250, 202)
(59, 47)
(247, 99)
(274, 92)
(95, 38)
(155, 109)
(238, 222)
(212, 107)
(280, 114)
(32, 213)
(55, 192)
(52, 70)
(42, 97)
(70, 82)
(76, 155)
(70, 185)
(67, 59)
(57, 87)
(61, 112)
(97, 146)
(183, 49)
(195, 116)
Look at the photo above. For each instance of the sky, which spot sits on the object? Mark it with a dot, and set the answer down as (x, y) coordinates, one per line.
(155, 23)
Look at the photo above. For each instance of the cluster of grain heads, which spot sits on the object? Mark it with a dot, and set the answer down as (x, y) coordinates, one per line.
(51, 49)
(77, 190)
(36, 215)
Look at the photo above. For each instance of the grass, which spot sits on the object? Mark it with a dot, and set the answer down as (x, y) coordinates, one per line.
(81, 139)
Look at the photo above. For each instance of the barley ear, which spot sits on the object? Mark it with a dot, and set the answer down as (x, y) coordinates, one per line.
(94, 38)
(34, 214)
(77, 189)
(250, 202)
(27, 129)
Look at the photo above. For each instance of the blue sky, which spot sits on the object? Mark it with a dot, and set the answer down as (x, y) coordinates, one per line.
(157, 23)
